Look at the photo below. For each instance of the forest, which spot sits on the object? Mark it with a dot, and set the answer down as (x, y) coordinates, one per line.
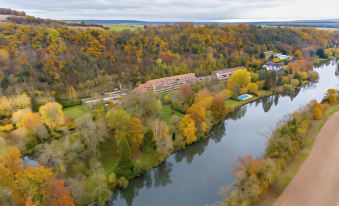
(82, 158)
(47, 59)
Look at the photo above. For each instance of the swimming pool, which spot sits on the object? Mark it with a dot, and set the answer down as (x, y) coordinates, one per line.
(244, 97)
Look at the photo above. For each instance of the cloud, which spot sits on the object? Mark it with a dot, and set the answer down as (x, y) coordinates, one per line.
(173, 10)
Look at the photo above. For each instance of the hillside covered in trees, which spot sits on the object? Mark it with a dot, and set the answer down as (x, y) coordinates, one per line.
(83, 153)
(51, 58)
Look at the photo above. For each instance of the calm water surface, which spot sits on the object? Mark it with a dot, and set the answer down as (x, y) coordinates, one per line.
(194, 176)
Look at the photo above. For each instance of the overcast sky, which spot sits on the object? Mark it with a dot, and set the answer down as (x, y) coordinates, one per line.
(177, 10)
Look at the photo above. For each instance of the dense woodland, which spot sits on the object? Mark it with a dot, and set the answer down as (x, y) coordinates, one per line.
(84, 156)
(36, 58)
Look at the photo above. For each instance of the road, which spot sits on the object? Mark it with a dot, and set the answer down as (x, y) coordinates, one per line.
(317, 181)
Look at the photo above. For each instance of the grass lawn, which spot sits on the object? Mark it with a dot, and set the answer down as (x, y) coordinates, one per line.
(121, 27)
(110, 158)
(232, 104)
(148, 160)
(75, 112)
(263, 93)
(167, 113)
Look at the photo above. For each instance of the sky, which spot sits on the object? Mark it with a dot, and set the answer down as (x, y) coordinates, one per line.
(178, 10)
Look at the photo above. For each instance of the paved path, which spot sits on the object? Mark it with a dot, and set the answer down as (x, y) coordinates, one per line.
(317, 181)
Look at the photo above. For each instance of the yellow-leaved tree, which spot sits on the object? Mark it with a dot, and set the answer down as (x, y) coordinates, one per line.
(239, 79)
(25, 184)
(187, 129)
(52, 115)
(135, 132)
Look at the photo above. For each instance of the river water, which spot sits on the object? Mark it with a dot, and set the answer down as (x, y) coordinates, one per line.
(193, 177)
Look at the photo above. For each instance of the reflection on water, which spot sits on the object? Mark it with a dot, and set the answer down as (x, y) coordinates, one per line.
(193, 176)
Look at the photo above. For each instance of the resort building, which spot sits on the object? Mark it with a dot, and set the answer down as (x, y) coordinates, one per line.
(225, 73)
(282, 57)
(114, 96)
(167, 83)
(271, 66)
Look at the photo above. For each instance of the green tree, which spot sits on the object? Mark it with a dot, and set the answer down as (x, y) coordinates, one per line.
(148, 145)
(125, 165)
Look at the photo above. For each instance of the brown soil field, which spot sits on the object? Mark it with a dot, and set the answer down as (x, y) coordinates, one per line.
(317, 181)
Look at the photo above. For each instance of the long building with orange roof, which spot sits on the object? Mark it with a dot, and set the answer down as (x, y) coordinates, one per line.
(167, 83)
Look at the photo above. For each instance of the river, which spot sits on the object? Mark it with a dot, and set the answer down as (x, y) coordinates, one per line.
(193, 177)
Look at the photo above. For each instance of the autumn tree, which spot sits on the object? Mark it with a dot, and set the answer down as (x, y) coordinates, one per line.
(187, 129)
(27, 184)
(52, 115)
(199, 114)
(92, 132)
(117, 118)
(331, 96)
(218, 109)
(134, 132)
(318, 110)
(161, 136)
(239, 79)
(55, 193)
(252, 87)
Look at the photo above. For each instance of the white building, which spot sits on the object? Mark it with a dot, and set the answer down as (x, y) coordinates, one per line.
(282, 57)
(271, 66)
(225, 73)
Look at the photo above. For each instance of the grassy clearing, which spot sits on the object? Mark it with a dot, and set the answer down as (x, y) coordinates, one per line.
(232, 104)
(148, 160)
(285, 178)
(264, 93)
(121, 27)
(76, 111)
(167, 113)
(110, 158)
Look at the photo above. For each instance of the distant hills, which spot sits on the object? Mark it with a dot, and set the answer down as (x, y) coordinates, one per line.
(331, 23)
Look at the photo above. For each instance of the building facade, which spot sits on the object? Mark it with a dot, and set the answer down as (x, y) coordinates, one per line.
(225, 73)
(167, 83)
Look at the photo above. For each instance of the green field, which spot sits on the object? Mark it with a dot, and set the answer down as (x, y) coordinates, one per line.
(75, 112)
(121, 27)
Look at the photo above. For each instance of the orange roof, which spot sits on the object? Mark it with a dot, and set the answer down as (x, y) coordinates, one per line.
(166, 79)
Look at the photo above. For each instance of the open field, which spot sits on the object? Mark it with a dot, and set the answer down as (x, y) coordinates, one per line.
(121, 27)
(316, 182)
(75, 112)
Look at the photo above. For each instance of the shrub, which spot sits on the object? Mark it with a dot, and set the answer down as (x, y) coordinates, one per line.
(70, 103)
(252, 87)
(318, 110)
(288, 87)
(331, 96)
(295, 83)
(279, 90)
(6, 128)
(123, 182)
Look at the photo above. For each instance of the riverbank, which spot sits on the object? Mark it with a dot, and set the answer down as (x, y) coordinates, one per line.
(210, 161)
(286, 151)
(317, 174)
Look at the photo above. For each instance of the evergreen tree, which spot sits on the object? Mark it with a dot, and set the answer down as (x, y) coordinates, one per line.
(268, 82)
(125, 165)
(148, 144)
